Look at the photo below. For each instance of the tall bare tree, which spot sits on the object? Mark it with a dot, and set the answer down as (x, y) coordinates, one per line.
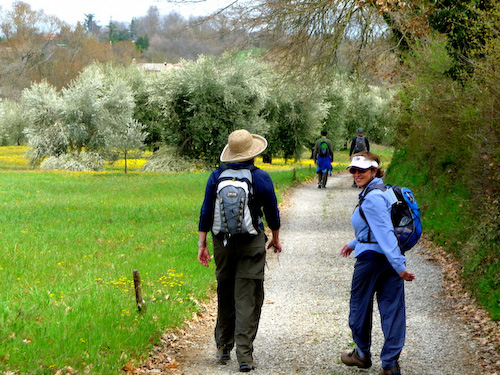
(314, 35)
(29, 38)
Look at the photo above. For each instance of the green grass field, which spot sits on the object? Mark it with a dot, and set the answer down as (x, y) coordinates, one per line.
(68, 247)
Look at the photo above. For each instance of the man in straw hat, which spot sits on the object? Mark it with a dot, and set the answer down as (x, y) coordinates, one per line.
(240, 258)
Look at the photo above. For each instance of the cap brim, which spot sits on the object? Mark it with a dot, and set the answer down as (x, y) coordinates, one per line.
(362, 162)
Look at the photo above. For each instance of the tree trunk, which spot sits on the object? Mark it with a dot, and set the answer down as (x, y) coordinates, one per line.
(125, 156)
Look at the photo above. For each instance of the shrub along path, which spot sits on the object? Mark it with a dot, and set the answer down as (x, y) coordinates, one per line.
(304, 320)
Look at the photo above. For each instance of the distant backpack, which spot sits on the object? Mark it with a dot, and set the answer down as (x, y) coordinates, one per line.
(232, 214)
(405, 216)
(360, 144)
(323, 149)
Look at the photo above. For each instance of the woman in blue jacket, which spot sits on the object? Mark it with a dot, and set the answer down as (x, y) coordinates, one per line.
(380, 270)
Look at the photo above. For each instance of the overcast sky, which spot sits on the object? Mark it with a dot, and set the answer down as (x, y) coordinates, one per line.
(116, 10)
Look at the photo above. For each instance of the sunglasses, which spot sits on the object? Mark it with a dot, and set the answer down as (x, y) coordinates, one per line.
(359, 170)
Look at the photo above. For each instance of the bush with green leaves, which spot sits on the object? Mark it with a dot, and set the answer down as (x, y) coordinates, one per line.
(448, 151)
(204, 101)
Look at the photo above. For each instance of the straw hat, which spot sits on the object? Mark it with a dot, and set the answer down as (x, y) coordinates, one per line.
(242, 146)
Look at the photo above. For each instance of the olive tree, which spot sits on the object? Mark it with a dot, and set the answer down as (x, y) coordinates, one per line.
(46, 134)
(129, 135)
(204, 101)
(83, 110)
(12, 123)
(295, 115)
(90, 115)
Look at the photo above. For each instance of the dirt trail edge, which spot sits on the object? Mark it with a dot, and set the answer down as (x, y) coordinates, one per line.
(304, 325)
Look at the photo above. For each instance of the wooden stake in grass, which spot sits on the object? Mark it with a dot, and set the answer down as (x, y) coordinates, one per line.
(141, 305)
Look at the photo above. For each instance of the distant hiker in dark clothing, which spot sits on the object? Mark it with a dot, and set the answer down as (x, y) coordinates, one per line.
(359, 143)
(323, 157)
(240, 254)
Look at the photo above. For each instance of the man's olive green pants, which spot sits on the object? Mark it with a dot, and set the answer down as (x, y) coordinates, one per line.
(240, 293)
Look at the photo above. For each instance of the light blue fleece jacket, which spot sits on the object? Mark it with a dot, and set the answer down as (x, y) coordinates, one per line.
(377, 209)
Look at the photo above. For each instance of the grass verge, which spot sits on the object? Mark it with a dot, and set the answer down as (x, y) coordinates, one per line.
(448, 221)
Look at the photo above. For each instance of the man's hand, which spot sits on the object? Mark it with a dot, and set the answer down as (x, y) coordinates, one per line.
(204, 255)
(276, 245)
(275, 241)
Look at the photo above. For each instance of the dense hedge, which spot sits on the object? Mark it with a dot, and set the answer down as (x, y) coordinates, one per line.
(448, 151)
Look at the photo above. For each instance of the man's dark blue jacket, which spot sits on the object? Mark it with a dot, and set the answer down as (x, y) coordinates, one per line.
(264, 201)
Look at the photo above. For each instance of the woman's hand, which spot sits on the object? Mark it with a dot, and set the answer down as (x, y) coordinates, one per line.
(346, 251)
(407, 275)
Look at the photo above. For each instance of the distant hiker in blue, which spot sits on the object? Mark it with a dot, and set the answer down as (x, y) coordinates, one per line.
(380, 270)
(239, 250)
(323, 157)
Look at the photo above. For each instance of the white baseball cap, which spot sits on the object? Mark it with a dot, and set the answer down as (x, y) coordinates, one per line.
(362, 162)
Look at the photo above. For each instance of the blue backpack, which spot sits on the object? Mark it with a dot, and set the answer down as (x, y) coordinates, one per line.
(405, 216)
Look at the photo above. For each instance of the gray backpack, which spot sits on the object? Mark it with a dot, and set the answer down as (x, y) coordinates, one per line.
(232, 214)
(360, 144)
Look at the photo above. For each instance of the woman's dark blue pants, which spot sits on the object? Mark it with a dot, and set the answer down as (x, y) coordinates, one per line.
(376, 277)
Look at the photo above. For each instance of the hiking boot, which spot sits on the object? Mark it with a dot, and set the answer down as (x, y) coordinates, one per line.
(353, 359)
(319, 186)
(393, 371)
(246, 366)
(223, 354)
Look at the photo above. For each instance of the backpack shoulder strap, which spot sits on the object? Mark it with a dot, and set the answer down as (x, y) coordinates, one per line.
(225, 167)
(381, 187)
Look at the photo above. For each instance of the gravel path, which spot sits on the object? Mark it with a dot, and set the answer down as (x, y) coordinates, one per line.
(304, 326)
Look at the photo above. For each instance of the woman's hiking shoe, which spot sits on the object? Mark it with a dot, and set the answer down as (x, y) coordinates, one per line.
(393, 371)
(223, 355)
(246, 366)
(353, 359)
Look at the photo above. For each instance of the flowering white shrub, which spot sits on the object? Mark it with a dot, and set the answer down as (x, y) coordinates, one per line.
(165, 160)
(84, 161)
